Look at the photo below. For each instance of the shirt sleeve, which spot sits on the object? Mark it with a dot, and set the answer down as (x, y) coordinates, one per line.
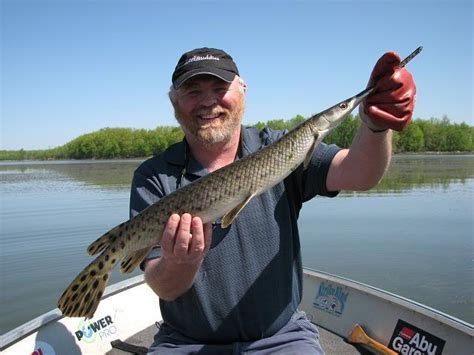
(315, 176)
(144, 192)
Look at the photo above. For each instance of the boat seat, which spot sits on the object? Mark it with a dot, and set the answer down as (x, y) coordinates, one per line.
(129, 347)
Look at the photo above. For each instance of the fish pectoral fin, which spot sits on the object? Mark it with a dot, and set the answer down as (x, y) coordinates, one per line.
(311, 150)
(233, 213)
(131, 261)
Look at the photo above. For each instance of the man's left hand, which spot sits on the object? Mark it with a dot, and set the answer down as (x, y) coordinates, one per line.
(391, 104)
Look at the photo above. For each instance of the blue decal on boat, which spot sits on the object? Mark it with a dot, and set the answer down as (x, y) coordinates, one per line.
(331, 299)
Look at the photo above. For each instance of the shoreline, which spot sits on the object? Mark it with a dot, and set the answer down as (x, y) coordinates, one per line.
(427, 153)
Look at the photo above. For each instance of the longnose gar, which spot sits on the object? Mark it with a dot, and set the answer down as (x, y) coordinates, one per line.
(225, 192)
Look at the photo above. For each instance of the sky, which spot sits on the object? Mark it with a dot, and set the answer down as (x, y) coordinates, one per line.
(72, 67)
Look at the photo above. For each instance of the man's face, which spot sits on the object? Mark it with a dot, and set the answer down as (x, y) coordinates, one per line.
(209, 108)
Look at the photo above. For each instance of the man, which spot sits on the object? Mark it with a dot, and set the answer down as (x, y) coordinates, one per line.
(237, 289)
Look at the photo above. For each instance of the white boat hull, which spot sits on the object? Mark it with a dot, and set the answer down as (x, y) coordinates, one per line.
(333, 303)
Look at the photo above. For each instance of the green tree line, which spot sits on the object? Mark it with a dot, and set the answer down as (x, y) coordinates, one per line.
(434, 135)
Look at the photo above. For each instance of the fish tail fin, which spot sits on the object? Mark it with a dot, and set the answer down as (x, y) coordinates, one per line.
(82, 296)
(130, 262)
(105, 240)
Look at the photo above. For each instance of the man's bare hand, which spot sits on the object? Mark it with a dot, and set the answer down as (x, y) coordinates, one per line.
(185, 239)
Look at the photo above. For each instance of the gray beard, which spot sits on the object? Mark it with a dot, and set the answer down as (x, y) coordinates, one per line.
(211, 135)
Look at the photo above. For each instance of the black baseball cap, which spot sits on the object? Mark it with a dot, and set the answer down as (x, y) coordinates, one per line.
(205, 60)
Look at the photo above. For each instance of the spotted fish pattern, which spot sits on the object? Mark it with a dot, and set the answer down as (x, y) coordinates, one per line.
(223, 193)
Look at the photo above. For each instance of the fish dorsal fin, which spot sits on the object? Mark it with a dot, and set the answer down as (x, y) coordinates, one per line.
(309, 155)
(307, 159)
(232, 214)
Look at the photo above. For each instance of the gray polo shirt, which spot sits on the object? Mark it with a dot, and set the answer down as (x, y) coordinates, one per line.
(250, 282)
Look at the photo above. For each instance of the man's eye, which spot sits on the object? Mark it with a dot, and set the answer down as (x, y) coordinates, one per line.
(222, 90)
(193, 93)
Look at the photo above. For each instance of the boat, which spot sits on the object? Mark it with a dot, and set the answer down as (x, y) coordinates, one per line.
(352, 317)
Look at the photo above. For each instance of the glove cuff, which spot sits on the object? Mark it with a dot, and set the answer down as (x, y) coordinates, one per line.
(377, 130)
(368, 121)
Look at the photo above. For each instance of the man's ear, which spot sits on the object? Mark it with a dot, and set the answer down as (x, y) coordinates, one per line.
(243, 85)
(172, 95)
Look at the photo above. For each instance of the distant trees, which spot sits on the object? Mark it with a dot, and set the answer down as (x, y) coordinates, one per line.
(435, 135)
(280, 123)
(111, 143)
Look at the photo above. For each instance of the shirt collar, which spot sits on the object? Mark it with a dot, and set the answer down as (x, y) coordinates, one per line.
(175, 154)
(251, 140)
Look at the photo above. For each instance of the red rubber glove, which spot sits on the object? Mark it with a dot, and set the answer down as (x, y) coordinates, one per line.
(391, 104)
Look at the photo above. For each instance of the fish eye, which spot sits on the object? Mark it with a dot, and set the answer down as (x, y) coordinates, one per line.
(343, 105)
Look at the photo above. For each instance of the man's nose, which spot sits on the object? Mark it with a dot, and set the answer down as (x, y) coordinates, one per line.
(208, 98)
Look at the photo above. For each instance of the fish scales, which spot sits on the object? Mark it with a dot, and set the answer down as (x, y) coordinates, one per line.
(222, 193)
(209, 197)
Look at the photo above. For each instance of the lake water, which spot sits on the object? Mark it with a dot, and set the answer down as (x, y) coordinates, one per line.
(412, 235)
